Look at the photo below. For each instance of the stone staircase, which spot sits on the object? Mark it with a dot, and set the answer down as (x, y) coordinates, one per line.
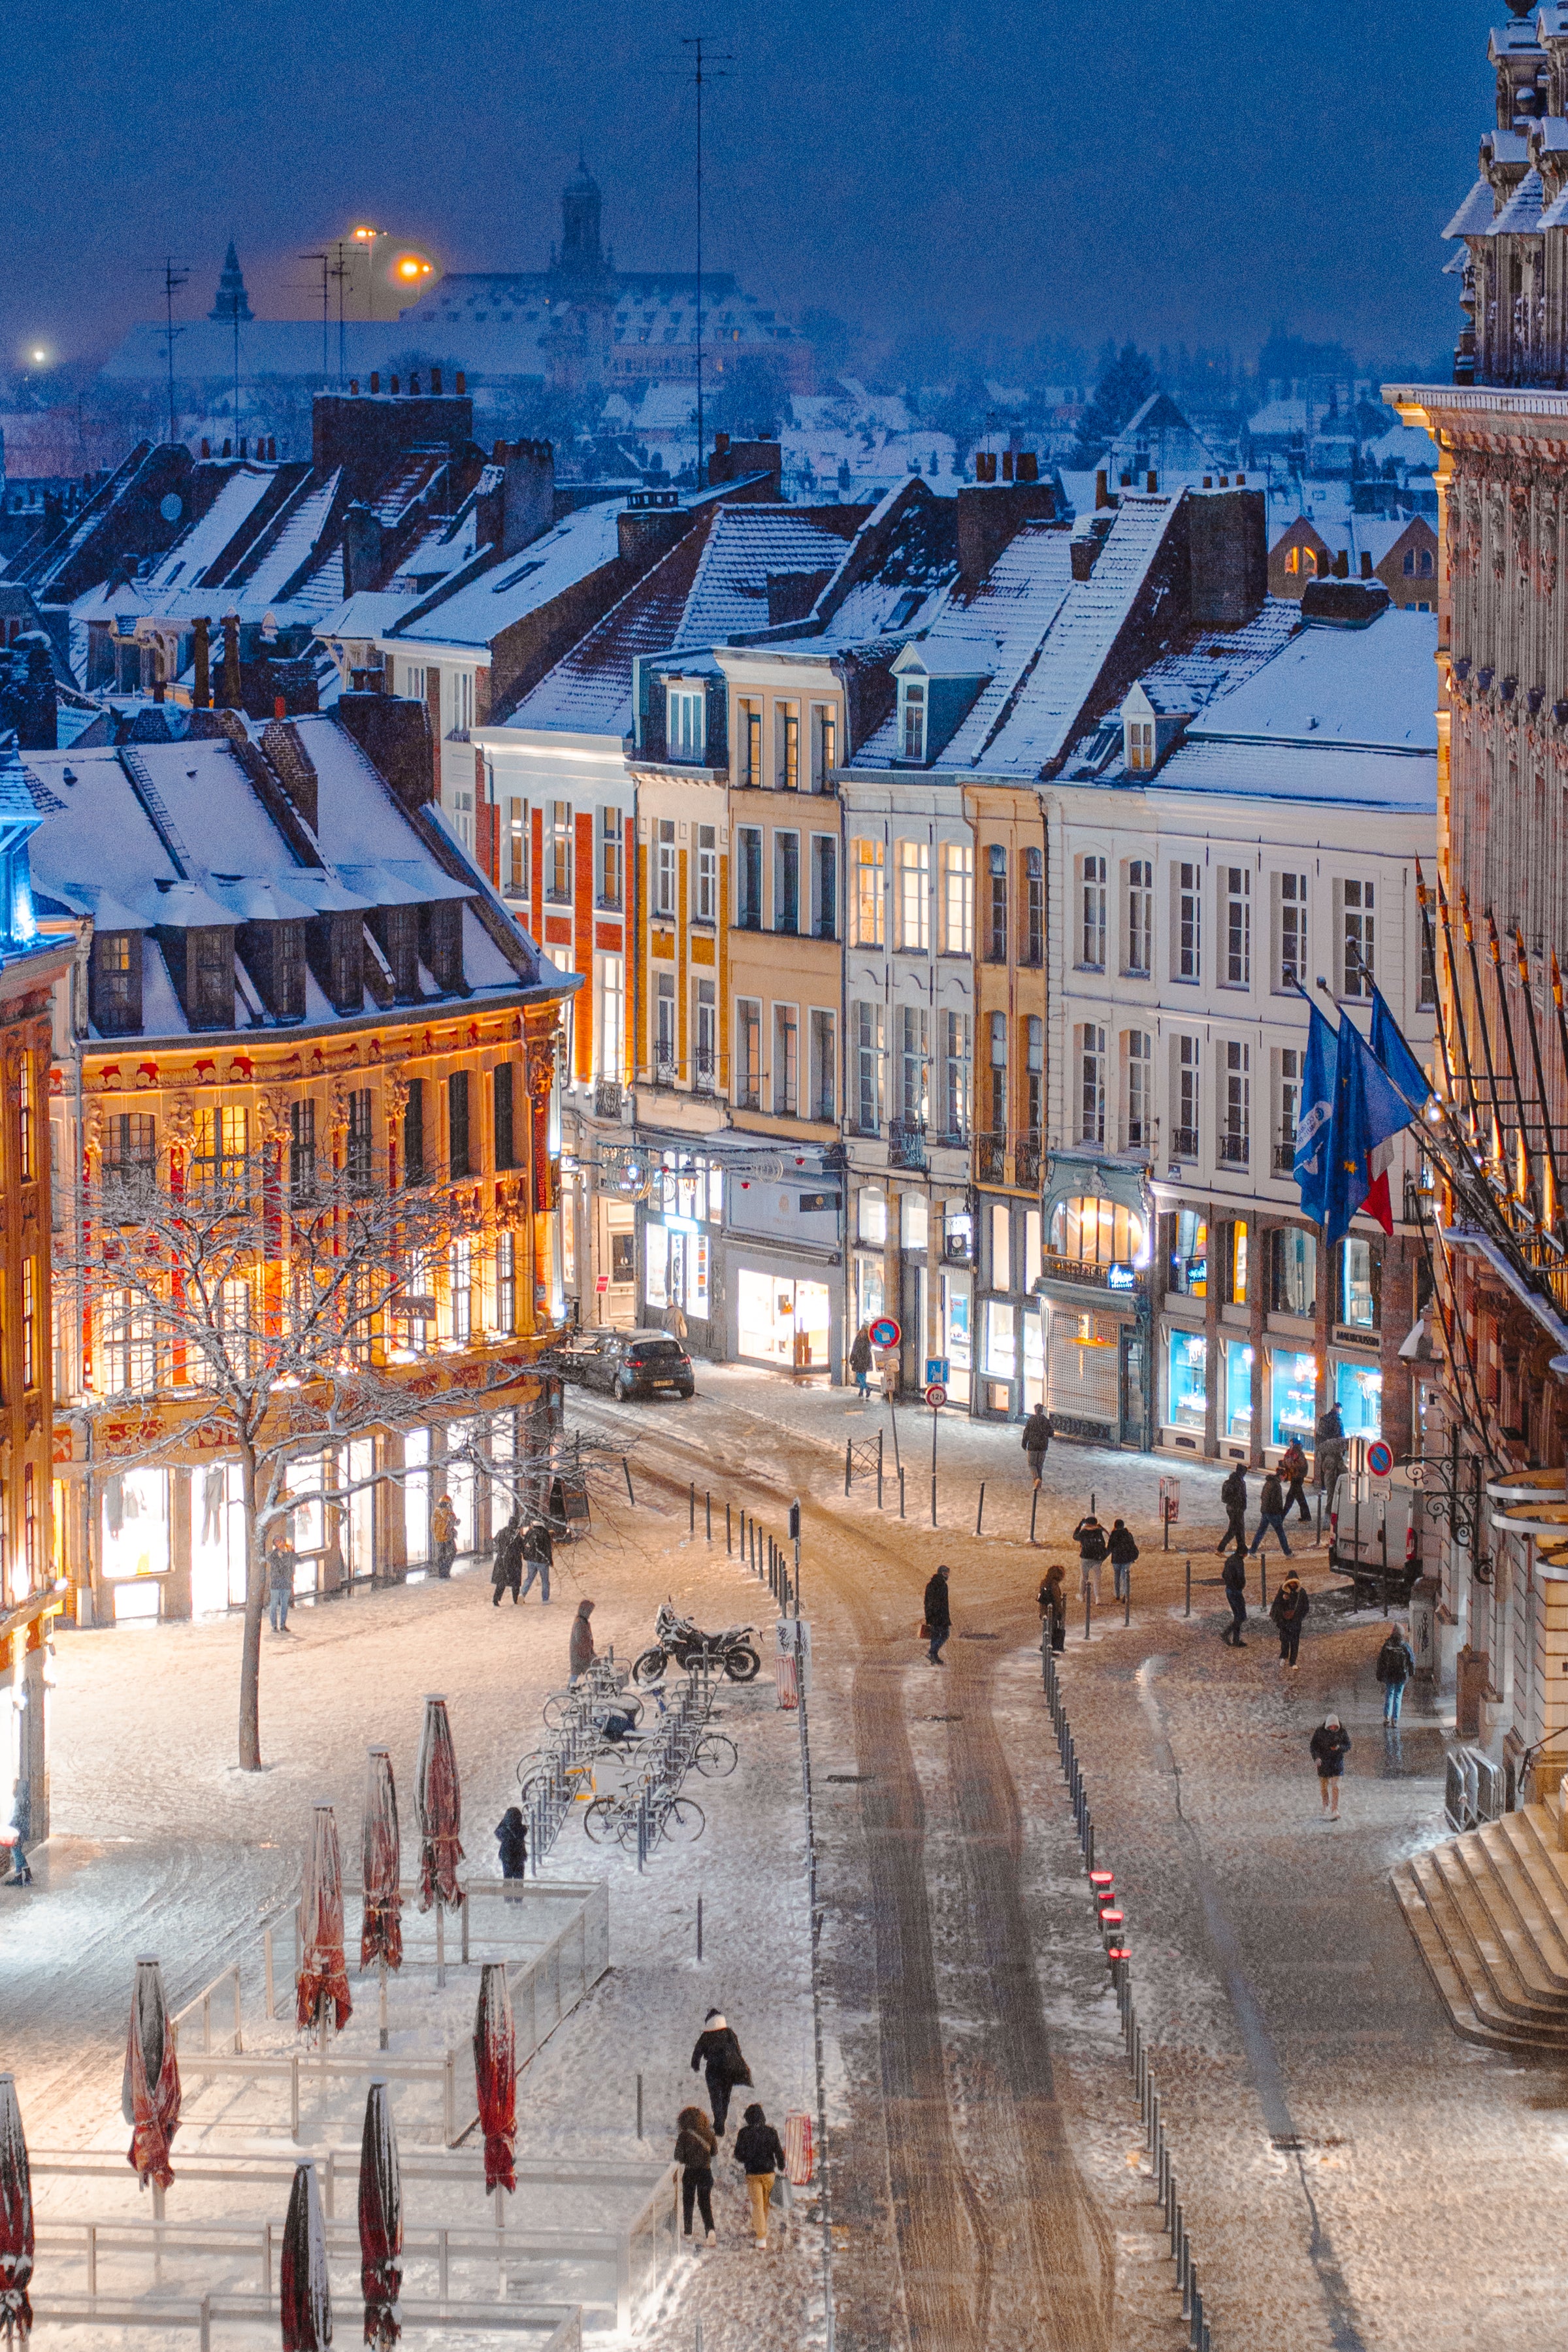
(1488, 1910)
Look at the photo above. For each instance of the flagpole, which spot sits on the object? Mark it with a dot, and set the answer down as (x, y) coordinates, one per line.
(1524, 1182)
(1430, 944)
(1554, 1219)
(1457, 1000)
(1496, 1152)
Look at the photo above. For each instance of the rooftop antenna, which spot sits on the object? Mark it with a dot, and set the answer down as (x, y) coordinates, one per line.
(704, 70)
(174, 274)
(340, 270)
(325, 260)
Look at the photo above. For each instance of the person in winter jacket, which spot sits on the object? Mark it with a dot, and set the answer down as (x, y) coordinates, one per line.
(1289, 1611)
(861, 1359)
(1121, 1550)
(507, 1568)
(1054, 1606)
(718, 2053)
(1039, 1432)
(444, 1535)
(580, 1651)
(938, 1612)
(1234, 1576)
(695, 2147)
(280, 1566)
(1293, 1469)
(538, 1548)
(760, 2152)
(1396, 1664)
(1089, 1538)
(1271, 1513)
(511, 1837)
(1329, 1744)
(1232, 1495)
(1329, 1450)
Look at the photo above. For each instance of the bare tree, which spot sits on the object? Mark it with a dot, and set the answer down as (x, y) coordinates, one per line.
(258, 1311)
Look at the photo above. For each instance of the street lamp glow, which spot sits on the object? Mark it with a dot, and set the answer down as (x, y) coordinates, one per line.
(409, 267)
(38, 355)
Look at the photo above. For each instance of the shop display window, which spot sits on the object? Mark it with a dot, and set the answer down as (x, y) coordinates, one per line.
(1293, 1397)
(1238, 1388)
(1187, 1389)
(1358, 1388)
(1189, 1253)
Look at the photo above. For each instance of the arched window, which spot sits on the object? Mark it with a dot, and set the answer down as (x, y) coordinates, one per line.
(1096, 1231)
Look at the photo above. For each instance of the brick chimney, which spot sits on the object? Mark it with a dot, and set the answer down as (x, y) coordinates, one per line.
(362, 549)
(989, 515)
(1228, 536)
(732, 461)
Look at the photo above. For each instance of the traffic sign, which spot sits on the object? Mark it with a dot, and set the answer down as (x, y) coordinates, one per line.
(885, 1332)
(1379, 1458)
(936, 1395)
(936, 1371)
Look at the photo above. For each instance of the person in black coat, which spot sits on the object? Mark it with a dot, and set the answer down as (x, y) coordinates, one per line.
(539, 1551)
(1396, 1664)
(1234, 1576)
(507, 1566)
(760, 2153)
(1289, 1611)
(718, 2053)
(1232, 1495)
(1039, 1432)
(1329, 1744)
(694, 2149)
(1089, 1538)
(511, 1837)
(1122, 1552)
(938, 1611)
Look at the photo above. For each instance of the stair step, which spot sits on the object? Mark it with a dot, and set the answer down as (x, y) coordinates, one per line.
(1480, 1961)
(1510, 1858)
(1450, 1985)
(1486, 1902)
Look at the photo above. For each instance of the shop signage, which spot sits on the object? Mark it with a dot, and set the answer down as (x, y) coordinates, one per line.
(814, 1201)
(1119, 1277)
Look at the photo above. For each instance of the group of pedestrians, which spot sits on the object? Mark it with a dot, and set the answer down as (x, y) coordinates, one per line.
(1282, 1489)
(759, 2151)
(521, 1544)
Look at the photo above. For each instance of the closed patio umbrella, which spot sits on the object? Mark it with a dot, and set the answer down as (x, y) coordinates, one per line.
(323, 1976)
(439, 1804)
(495, 2076)
(15, 2218)
(381, 1933)
(304, 2292)
(150, 2094)
(380, 2220)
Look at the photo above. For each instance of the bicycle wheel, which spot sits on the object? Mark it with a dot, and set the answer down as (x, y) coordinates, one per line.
(715, 1756)
(682, 1821)
(534, 1767)
(557, 1711)
(600, 1819)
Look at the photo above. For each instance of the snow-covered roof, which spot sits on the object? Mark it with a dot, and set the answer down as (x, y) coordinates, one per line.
(1521, 216)
(1290, 770)
(475, 611)
(1474, 217)
(1372, 688)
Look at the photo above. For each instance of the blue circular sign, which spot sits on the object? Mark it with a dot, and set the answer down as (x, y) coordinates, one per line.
(884, 1332)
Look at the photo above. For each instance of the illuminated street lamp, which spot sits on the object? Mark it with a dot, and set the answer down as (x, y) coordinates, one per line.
(368, 239)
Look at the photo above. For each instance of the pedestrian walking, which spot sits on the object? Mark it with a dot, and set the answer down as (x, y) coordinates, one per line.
(1293, 1469)
(937, 1616)
(1329, 1449)
(1039, 1432)
(695, 2147)
(1396, 1664)
(538, 1548)
(860, 1360)
(1235, 1576)
(718, 2053)
(1289, 1610)
(1232, 1495)
(580, 1649)
(507, 1569)
(281, 1563)
(1122, 1552)
(1271, 1513)
(1329, 1744)
(675, 1321)
(1054, 1605)
(1089, 1538)
(444, 1534)
(511, 1837)
(759, 2152)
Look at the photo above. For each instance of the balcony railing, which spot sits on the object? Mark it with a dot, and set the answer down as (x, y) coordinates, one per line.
(907, 1143)
(1284, 1157)
(663, 1069)
(1027, 1162)
(702, 1070)
(991, 1151)
(1057, 1268)
(1184, 1143)
(1232, 1150)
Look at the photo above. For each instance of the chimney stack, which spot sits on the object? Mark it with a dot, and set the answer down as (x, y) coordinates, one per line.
(1102, 488)
(375, 380)
(435, 383)
(1228, 539)
(1366, 563)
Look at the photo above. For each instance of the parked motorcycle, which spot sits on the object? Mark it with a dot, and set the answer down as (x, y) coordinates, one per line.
(678, 1638)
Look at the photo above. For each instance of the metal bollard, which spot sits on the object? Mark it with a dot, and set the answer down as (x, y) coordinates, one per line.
(639, 2106)
(1189, 1610)
(980, 1509)
(901, 1491)
(727, 1544)
(933, 1499)
(1263, 1576)
(709, 1510)
(848, 1463)
(691, 1521)
(627, 1467)
(1088, 1609)
(1126, 1600)
(700, 1926)
(1033, 1507)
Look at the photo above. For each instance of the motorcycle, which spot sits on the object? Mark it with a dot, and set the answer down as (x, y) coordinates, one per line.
(678, 1638)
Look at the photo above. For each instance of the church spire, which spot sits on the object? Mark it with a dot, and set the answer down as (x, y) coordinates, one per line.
(233, 301)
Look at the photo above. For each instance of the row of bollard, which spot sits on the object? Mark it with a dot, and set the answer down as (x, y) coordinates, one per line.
(1118, 1958)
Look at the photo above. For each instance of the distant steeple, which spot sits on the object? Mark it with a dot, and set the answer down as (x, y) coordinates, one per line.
(582, 256)
(233, 301)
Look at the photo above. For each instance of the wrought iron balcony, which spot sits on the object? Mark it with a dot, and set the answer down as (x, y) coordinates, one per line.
(1232, 1150)
(991, 1153)
(1027, 1162)
(907, 1143)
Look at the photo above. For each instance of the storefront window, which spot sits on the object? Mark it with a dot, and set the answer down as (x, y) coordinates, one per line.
(1190, 1254)
(914, 1212)
(780, 1321)
(136, 1526)
(1001, 1339)
(697, 1277)
(656, 1265)
(1188, 1382)
(1295, 1273)
(958, 1234)
(1358, 1390)
(1096, 1231)
(1034, 1359)
(872, 1212)
(1238, 1387)
(956, 1325)
(1358, 1305)
(869, 1290)
(1293, 1409)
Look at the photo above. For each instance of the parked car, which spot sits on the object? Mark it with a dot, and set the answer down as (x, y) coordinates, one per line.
(1378, 1528)
(628, 1363)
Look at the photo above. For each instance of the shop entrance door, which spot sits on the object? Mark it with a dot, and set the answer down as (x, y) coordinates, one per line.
(1133, 1358)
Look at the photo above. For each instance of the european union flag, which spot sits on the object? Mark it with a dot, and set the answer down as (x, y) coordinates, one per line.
(1368, 1111)
(1399, 1063)
(1314, 1117)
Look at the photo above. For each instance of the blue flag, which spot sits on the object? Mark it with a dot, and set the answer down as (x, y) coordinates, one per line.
(1314, 1117)
(1368, 1111)
(1391, 1050)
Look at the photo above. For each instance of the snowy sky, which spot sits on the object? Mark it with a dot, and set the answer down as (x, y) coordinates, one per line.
(1163, 171)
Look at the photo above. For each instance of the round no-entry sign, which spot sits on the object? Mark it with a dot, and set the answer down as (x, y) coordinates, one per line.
(885, 1332)
(1379, 1458)
(936, 1395)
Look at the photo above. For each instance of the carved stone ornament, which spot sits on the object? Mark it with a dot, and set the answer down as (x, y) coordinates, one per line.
(272, 1116)
(338, 1107)
(1546, 554)
(180, 1121)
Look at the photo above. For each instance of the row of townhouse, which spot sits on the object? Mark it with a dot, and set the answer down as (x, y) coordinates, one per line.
(940, 877)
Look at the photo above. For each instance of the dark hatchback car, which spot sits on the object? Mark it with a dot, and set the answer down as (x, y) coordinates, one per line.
(630, 1363)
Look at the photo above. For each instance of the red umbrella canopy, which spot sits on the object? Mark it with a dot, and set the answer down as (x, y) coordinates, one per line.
(495, 2076)
(304, 2293)
(439, 1800)
(15, 2218)
(380, 2220)
(381, 1933)
(150, 2095)
(323, 1978)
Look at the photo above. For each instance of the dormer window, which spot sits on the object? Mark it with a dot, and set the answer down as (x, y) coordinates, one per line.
(912, 718)
(1140, 744)
(685, 731)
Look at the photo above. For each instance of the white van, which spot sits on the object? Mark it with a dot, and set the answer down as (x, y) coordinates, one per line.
(1377, 1531)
